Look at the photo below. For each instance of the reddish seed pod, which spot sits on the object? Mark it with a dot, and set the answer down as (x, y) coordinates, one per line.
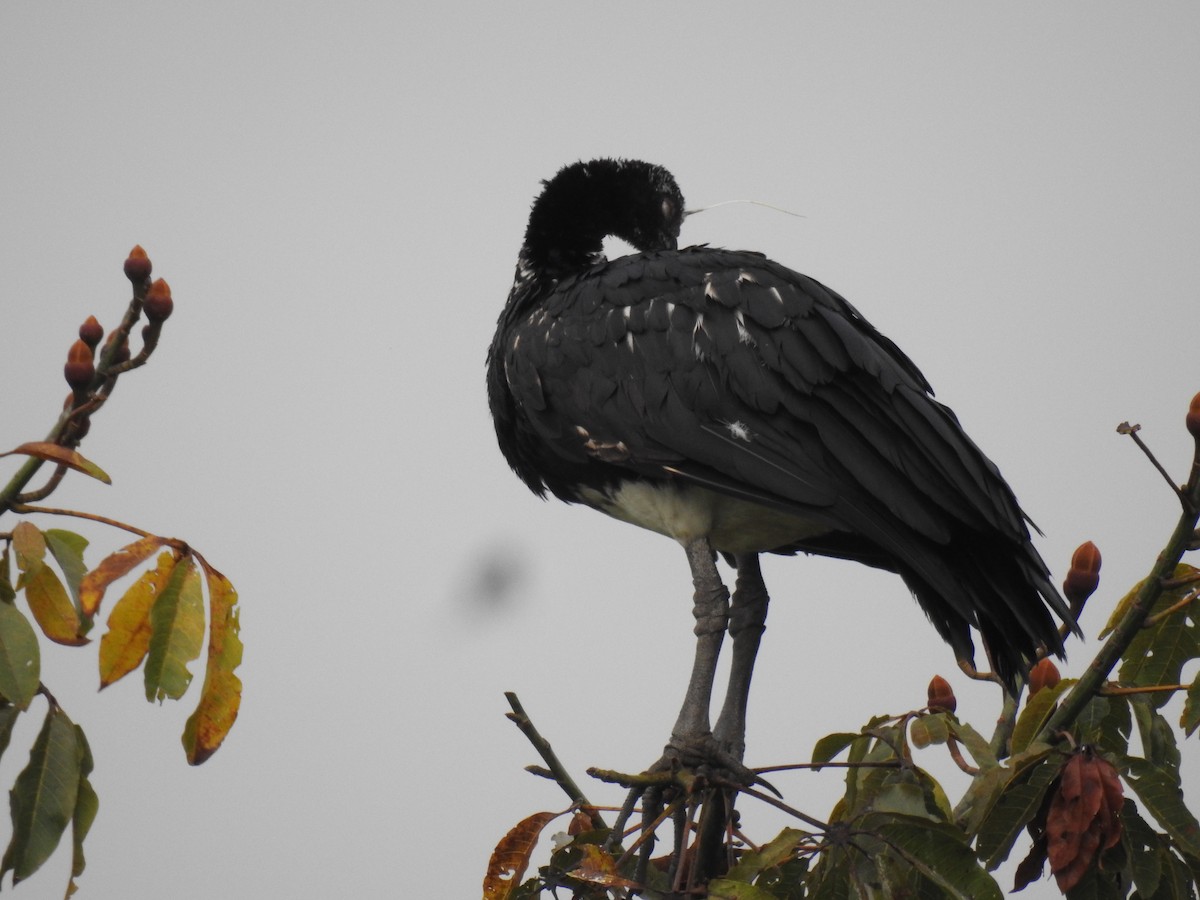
(941, 695)
(1084, 575)
(1044, 675)
(158, 304)
(1193, 418)
(137, 265)
(90, 332)
(79, 370)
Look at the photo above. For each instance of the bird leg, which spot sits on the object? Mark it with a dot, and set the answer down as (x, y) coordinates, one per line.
(747, 622)
(691, 738)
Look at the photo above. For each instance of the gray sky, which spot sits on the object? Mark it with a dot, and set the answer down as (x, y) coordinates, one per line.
(336, 194)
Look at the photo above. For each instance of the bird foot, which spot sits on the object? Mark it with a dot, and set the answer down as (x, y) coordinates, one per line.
(694, 772)
(704, 755)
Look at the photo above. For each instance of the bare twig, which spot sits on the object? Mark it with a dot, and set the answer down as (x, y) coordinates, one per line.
(1132, 431)
(1096, 675)
(558, 771)
(883, 764)
(45, 490)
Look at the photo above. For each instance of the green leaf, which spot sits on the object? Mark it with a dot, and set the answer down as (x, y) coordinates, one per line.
(20, 660)
(771, 855)
(67, 548)
(7, 594)
(87, 804)
(1156, 734)
(42, 800)
(902, 798)
(1037, 710)
(832, 744)
(724, 889)
(940, 853)
(8, 718)
(832, 876)
(1190, 719)
(1157, 654)
(976, 744)
(1014, 809)
(1158, 789)
(176, 633)
(1144, 846)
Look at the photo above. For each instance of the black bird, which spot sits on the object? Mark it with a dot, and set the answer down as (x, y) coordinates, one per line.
(740, 407)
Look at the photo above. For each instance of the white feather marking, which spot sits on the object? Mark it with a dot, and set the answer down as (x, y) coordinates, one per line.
(743, 335)
(629, 340)
(775, 294)
(738, 430)
(745, 277)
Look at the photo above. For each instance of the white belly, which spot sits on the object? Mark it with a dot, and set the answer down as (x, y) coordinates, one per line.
(686, 512)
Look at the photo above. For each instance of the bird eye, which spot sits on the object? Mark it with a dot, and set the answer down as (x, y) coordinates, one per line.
(668, 209)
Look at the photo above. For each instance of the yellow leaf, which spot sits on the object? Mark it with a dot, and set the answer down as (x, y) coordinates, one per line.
(52, 608)
(124, 645)
(221, 696)
(27, 540)
(44, 592)
(112, 567)
(49, 452)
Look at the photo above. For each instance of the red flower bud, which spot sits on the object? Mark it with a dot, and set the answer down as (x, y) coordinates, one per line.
(1084, 575)
(90, 332)
(79, 370)
(941, 695)
(158, 304)
(137, 266)
(1044, 675)
(1193, 418)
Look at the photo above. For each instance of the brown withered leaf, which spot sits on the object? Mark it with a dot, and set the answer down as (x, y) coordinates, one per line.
(598, 867)
(1084, 817)
(580, 822)
(511, 856)
(112, 567)
(49, 452)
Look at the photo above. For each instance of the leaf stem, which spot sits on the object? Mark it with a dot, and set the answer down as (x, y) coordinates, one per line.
(103, 520)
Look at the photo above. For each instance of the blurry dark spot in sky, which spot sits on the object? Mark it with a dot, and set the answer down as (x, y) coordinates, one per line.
(496, 577)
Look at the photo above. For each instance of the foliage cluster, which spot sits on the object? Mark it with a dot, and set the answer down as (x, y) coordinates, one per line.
(1089, 767)
(158, 623)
